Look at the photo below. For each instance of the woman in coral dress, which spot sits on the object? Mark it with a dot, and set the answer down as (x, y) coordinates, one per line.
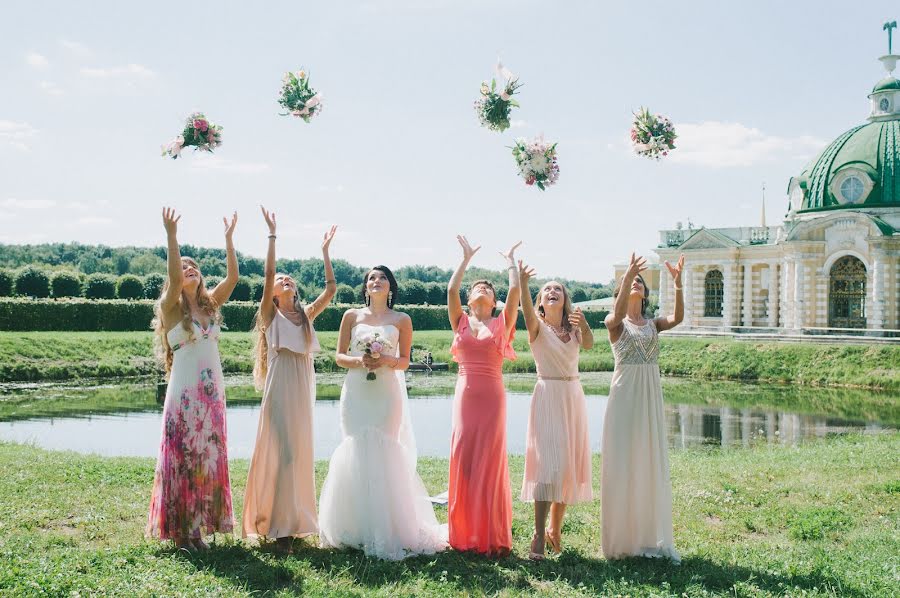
(191, 490)
(480, 500)
(280, 500)
(636, 491)
(557, 446)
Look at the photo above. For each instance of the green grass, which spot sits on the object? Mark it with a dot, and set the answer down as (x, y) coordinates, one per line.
(820, 520)
(32, 356)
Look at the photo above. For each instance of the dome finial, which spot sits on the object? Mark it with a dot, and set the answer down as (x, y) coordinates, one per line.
(890, 60)
(889, 26)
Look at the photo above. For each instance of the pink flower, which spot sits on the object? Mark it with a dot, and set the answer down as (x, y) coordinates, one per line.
(201, 125)
(530, 180)
(376, 347)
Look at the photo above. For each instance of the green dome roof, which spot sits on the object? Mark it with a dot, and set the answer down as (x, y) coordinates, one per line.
(871, 154)
(886, 84)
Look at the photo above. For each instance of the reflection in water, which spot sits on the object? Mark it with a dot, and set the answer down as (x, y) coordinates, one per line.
(137, 434)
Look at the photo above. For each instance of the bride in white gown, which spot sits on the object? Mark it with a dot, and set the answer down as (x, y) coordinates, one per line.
(373, 498)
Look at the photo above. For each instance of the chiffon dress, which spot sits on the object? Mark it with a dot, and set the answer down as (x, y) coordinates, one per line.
(280, 500)
(636, 491)
(480, 499)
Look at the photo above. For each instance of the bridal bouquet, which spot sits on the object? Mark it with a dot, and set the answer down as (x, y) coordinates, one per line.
(297, 97)
(493, 108)
(537, 162)
(373, 344)
(652, 135)
(198, 132)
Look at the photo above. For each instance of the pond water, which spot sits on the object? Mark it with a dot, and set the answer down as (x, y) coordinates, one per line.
(124, 420)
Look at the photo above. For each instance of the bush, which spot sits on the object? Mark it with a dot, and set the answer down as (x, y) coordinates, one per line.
(129, 286)
(579, 295)
(256, 289)
(413, 292)
(100, 286)
(437, 293)
(153, 285)
(345, 294)
(241, 290)
(6, 284)
(211, 282)
(33, 282)
(66, 284)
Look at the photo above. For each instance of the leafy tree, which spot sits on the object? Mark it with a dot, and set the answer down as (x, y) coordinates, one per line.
(437, 293)
(6, 284)
(345, 294)
(65, 284)
(129, 286)
(579, 294)
(153, 285)
(241, 290)
(100, 286)
(33, 282)
(413, 292)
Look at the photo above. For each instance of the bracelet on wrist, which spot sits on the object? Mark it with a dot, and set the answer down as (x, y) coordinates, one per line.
(677, 288)
(327, 280)
(271, 236)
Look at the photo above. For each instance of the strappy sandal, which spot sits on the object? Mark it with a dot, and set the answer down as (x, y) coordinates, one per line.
(532, 555)
(555, 543)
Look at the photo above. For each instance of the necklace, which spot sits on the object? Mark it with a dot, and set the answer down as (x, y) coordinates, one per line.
(561, 334)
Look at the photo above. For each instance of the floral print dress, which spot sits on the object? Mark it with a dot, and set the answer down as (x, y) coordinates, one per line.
(191, 490)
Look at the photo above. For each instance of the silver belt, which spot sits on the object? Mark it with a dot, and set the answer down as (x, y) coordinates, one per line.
(561, 378)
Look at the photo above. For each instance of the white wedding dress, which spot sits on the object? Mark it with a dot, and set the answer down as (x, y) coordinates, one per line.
(372, 498)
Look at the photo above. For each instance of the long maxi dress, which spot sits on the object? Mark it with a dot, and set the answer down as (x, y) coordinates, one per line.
(280, 499)
(636, 490)
(557, 444)
(191, 493)
(480, 499)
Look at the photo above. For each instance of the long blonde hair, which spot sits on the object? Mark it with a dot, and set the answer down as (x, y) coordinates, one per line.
(261, 349)
(161, 348)
(568, 308)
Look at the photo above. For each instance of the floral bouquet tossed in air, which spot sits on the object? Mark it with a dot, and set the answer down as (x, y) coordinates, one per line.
(199, 133)
(297, 97)
(493, 107)
(652, 135)
(537, 162)
(373, 344)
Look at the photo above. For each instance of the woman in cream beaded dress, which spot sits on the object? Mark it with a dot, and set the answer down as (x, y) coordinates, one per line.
(280, 500)
(557, 446)
(636, 491)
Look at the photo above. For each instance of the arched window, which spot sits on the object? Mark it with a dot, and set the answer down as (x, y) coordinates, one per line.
(847, 294)
(713, 293)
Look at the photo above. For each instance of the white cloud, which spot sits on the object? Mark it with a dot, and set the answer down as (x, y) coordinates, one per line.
(75, 49)
(13, 203)
(204, 162)
(94, 220)
(16, 134)
(51, 88)
(38, 61)
(723, 144)
(130, 71)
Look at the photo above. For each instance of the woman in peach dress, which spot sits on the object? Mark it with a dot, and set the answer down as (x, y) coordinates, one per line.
(280, 500)
(558, 449)
(480, 499)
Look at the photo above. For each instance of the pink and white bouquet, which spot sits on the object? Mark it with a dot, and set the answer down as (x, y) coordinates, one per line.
(297, 97)
(537, 162)
(493, 108)
(199, 133)
(652, 135)
(373, 344)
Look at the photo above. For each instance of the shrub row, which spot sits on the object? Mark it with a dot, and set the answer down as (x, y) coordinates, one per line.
(84, 315)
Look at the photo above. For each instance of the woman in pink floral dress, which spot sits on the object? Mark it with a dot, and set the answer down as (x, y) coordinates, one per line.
(191, 490)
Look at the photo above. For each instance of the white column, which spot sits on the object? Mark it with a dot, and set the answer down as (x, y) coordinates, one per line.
(687, 279)
(800, 303)
(748, 295)
(664, 285)
(729, 300)
(875, 317)
(774, 294)
(787, 308)
(821, 284)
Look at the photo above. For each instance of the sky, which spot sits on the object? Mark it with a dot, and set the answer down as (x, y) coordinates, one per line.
(397, 159)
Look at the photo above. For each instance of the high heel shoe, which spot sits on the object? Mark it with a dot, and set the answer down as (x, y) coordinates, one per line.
(555, 543)
(532, 555)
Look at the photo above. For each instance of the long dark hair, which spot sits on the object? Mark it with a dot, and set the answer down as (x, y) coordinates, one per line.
(644, 301)
(394, 289)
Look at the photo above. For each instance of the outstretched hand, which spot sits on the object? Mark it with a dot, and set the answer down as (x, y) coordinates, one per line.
(512, 250)
(229, 226)
(468, 251)
(170, 221)
(270, 219)
(525, 274)
(329, 235)
(675, 270)
(577, 319)
(636, 265)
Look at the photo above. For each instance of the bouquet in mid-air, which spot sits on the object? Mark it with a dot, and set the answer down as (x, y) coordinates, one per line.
(373, 344)
(537, 162)
(199, 132)
(493, 107)
(297, 97)
(652, 135)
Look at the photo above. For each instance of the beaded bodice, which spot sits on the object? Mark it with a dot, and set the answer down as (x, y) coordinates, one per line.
(637, 345)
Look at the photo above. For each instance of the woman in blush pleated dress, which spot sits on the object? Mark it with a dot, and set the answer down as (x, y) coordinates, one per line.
(280, 500)
(557, 445)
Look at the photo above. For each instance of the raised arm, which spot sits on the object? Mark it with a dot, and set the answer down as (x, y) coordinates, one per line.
(324, 298)
(176, 278)
(223, 290)
(266, 306)
(636, 265)
(531, 318)
(454, 302)
(511, 308)
(669, 322)
(342, 355)
(577, 320)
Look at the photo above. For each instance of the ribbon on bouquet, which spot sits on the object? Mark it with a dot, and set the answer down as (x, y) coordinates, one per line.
(310, 103)
(506, 75)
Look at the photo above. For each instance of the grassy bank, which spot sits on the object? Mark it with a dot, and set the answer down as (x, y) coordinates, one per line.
(71, 355)
(820, 519)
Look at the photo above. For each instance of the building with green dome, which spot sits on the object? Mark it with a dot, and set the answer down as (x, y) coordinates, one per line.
(833, 266)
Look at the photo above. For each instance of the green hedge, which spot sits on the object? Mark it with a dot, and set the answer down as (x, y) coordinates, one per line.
(17, 314)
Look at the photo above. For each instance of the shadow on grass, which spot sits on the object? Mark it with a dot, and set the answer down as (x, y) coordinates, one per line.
(244, 566)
